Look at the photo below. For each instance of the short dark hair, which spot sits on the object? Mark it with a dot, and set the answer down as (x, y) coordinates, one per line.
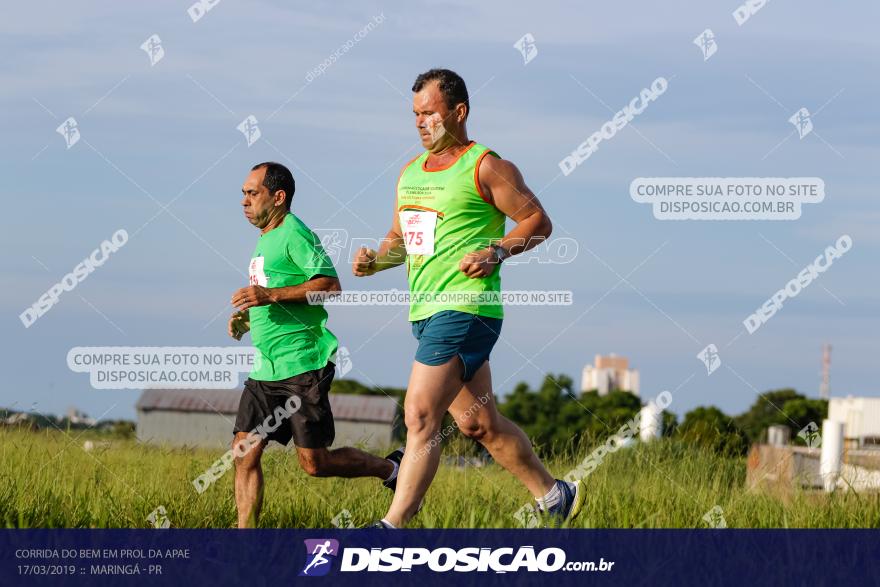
(451, 86)
(278, 177)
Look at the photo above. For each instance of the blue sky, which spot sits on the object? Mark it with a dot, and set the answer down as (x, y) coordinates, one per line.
(168, 132)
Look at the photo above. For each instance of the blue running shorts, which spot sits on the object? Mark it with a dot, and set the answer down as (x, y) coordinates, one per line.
(449, 333)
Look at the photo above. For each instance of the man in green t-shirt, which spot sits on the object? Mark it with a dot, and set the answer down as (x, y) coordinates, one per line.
(285, 396)
(448, 227)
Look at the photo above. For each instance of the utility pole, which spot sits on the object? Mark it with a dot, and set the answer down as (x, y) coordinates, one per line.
(826, 367)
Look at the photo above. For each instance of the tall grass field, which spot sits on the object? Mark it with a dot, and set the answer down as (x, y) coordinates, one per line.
(50, 481)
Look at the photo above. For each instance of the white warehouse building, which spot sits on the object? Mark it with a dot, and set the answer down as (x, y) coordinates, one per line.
(860, 417)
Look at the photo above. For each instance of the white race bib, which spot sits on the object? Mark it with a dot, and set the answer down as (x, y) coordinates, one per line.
(418, 231)
(255, 272)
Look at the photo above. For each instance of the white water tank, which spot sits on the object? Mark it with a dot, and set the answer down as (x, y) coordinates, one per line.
(832, 453)
(651, 423)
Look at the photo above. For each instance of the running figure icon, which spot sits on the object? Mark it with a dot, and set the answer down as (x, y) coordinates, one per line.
(319, 552)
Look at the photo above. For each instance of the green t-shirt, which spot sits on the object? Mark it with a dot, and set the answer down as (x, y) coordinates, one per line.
(290, 337)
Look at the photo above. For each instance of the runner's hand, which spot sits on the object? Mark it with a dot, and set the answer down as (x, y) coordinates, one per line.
(479, 263)
(253, 295)
(239, 324)
(364, 262)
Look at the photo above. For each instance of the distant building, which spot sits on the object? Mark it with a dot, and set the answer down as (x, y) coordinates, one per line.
(206, 417)
(16, 418)
(844, 457)
(610, 373)
(74, 416)
(860, 417)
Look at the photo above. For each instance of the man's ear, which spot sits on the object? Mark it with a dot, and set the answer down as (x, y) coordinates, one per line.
(280, 197)
(461, 112)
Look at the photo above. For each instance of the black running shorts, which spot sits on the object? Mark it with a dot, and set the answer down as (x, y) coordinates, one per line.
(296, 407)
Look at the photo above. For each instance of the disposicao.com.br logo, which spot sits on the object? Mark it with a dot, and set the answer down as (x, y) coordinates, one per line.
(441, 560)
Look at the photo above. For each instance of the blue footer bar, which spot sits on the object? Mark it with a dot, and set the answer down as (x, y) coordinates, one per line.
(436, 557)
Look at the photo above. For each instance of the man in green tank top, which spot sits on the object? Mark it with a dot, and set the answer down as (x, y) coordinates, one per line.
(448, 227)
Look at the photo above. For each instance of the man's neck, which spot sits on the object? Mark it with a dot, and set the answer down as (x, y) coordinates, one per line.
(274, 223)
(456, 146)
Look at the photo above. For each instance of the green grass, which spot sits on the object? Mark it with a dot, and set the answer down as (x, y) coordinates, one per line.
(49, 481)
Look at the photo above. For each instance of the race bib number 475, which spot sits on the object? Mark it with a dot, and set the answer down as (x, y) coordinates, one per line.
(418, 231)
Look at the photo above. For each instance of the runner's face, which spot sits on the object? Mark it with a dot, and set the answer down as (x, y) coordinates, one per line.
(432, 117)
(259, 205)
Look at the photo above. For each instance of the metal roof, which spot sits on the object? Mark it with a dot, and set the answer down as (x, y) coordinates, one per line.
(362, 408)
(223, 401)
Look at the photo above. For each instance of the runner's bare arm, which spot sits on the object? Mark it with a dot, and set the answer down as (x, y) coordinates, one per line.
(503, 185)
(391, 253)
(257, 295)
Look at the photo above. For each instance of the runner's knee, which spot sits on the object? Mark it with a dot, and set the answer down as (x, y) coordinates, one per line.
(246, 452)
(473, 429)
(479, 429)
(313, 462)
(421, 420)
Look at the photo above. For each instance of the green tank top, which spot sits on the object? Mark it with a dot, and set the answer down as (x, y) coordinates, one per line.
(443, 216)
